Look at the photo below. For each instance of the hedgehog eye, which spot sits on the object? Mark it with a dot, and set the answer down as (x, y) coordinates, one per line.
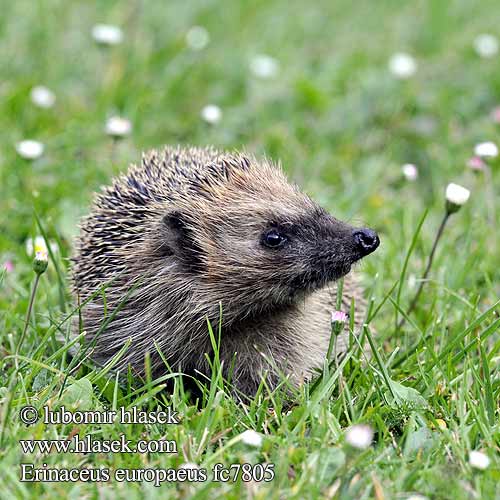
(273, 239)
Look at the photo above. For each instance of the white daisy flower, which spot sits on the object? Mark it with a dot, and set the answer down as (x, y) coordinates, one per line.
(486, 45)
(264, 66)
(189, 465)
(486, 150)
(107, 34)
(456, 196)
(359, 436)
(410, 172)
(402, 65)
(117, 127)
(251, 438)
(211, 114)
(30, 150)
(197, 38)
(412, 281)
(36, 245)
(479, 460)
(42, 97)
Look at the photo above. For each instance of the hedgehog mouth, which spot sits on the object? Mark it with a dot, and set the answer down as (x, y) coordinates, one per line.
(315, 279)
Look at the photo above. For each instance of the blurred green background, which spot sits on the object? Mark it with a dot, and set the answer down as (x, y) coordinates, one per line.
(333, 113)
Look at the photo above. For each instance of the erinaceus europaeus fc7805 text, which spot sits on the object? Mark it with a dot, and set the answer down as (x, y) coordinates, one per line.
(191, 235)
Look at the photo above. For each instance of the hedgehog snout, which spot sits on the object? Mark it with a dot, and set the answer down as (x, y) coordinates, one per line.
(366, 241)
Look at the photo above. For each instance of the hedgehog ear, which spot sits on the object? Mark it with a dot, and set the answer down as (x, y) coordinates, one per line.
(175, 232)
(178, 238)
(175, 221)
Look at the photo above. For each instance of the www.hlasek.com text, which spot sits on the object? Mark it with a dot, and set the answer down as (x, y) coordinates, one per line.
(88, 444)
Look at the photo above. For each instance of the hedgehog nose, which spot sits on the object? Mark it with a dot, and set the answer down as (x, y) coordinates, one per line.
(366, 240)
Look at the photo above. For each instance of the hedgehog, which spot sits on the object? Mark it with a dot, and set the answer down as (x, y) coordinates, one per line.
(195, 237)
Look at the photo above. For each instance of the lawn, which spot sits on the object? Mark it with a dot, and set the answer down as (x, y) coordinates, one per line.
(327, 105)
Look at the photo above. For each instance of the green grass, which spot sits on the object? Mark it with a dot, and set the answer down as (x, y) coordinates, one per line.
(342, 126)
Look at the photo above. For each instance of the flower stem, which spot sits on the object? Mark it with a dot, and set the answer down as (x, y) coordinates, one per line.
(414, 301)
(490, 195)
(28, 317)
(114, 150)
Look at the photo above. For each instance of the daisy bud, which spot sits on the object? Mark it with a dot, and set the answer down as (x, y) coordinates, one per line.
(410, 172)
(40, 262)
(456, 196)
(486, 150)
(264, 66)
(29, 150)
(339, 317)
(251, 438)
(107, 34)
(402, 65)
(42, 97)
(476, 163)
(359, 436)
(118, 127)
(479, 460)
(495, 114)
(197, 38)
(211, 114)
(8, 266)
(486, 45)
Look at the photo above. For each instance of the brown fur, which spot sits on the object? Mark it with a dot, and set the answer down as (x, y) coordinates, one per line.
(181, 236)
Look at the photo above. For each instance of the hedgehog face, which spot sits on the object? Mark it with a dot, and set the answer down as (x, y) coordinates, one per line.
(251, 240)
(304, 252)
(313, 250)
(269, 259)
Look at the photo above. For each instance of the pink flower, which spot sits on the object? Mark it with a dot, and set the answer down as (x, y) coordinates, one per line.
(495, 114)
(410, 171)
(476, 163)
(8, 266)
(339, 317)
